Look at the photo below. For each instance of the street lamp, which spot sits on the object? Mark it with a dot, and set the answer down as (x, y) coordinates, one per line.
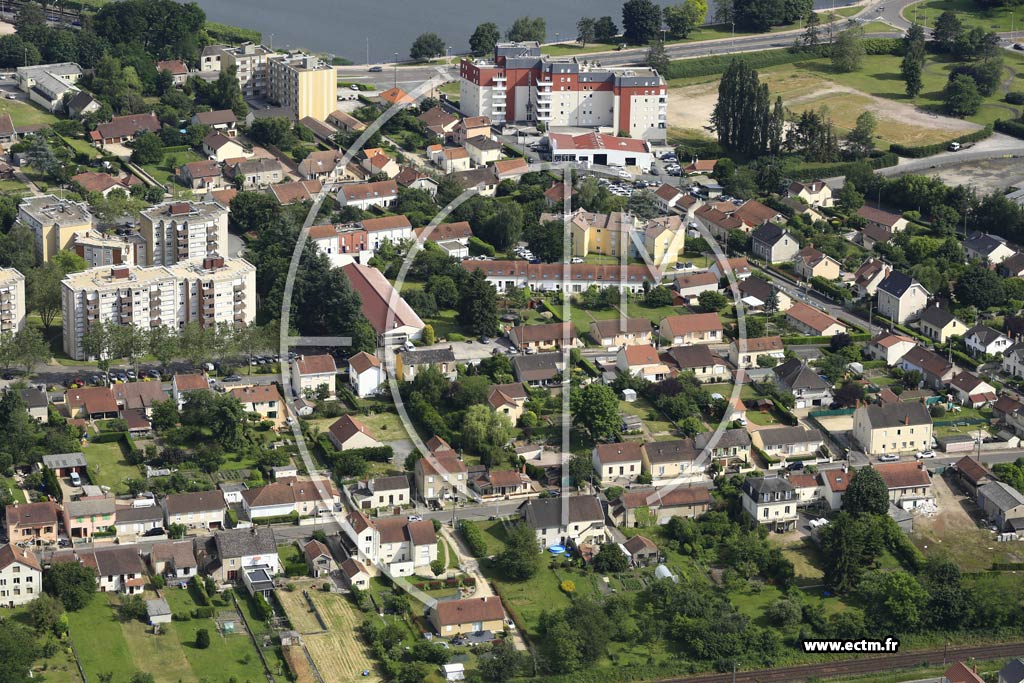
(396, 69)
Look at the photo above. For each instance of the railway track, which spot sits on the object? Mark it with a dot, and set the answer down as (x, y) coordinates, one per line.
(865, 665)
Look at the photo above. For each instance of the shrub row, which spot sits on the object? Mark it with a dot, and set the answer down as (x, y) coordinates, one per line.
(474, 538)
(1014, 128)
(554, 311)
(928, 150)
(813, 171)
(717, 64)
(856, 337)
(374, 454)
(477, 247)
(882, 46)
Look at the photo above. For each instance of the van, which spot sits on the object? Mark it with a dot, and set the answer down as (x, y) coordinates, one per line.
(76, 479)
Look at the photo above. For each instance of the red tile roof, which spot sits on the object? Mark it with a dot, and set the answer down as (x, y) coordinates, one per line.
(363, 361)
(682, 325)
(316, 365)
(903, 474)
(381, 304)
(470, 611)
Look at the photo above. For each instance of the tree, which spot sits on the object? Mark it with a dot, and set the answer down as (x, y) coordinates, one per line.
(478, 304)
(980, 287)
(502, 663)
(658, 296)
(504, 228)
(867, 494)
(445, 291)
(813, 136)
(610, 559)
(641, 21)
(44, 289)
(605, 29)
(643, 204)
(132, 608)
(202, 638)
(741, 117)
(812, 31)
(947, 31)
(894, 602)
(761, 15)
(484, 429)
(546, 240)
(525, 29)
(30, 348)
(581, 468)
(912, 66)
(681, 19)
(850, 394)
(843, 547)
(521, 558)
(30, 23)
(147, 148)
(47, 615)
(712, 302)
(484, 38)
(71, 583)
(129, 342)
(18, 650)
(585, 30)
(848, 199)
(657, 58)
(426, 46)
(596, 410)
(860, 142)
(848, 50)
(961, 96)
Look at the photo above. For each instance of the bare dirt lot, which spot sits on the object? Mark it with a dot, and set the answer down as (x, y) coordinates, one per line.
(988, 175)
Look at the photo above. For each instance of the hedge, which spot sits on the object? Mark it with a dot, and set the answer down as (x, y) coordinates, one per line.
(173, 149)
(830, 289)
(554, 312)
(474, 538)
(814, 171)
(1014, 128)
(929, 150)
(477, 247)
(375, 454)
(717, 64)
(856, 337)
(882, 46)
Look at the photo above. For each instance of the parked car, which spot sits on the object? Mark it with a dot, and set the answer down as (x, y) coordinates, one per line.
(888, 457)
(376, 69)
(795, 466)
(926, 454)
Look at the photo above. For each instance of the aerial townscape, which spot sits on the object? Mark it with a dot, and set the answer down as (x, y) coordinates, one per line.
(683, 343)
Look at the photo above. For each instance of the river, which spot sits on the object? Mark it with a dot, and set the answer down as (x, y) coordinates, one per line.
(384, 27)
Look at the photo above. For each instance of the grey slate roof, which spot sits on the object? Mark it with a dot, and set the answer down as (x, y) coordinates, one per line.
(241, 542)
(937, 316)
(34, 398)
(1002, 495)
(983, 243)
(984, 334)
(428, 356)
(730, 438)
(896, 414)
(676, 450)
(781, 436)
(395, 483)
(755, 486)
(795, 375)
(539, 366)
(896, 284)
(769, 234)
(127, 514)
(61, 460)
(1013, 672)
(546, 513)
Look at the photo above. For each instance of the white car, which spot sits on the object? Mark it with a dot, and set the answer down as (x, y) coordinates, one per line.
(576, 259)
(888, 457)
(926, 454)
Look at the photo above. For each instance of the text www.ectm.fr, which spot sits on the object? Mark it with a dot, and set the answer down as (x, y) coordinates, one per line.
(887, 645)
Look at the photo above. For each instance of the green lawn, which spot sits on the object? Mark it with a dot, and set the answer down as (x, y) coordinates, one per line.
(645, 410)
(445, 323)
(81, 146)
(107, 466)
(9, 485)
(25, 113)
(495, 535)
(877, 27)
(655, 315)
(100, 641)
(13, 187)
(165, 171)
(386, 426)
(970, 14)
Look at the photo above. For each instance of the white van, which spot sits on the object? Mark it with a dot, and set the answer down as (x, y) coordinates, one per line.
(76, 480)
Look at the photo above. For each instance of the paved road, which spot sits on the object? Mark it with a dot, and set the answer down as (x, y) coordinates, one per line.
(994, 147)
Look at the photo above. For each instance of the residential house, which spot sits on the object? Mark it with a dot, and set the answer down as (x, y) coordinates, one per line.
(413, 179)
(1001, 503)
(441, 476)
(986, 248)
(85, 518)
(814, 193)
(264, 400)
(773, 244)
(961, 673)
(174, 559)
(297, 191)
(36, 404)
(63, 464)
(1012, 672)
(869, 275)
(345, 122)
(1013, 266)
(621, 332)
(982, 340)
(348, 433)
(788, 443)
(447, 232)
(310, 373)
(770, 501)
(382, 194)
(134, 522)
(177, 69)
(122, 129)
(137, 396)
(806, 487)
(390, 316)
(201, 175)
(471, 127)
(810, 262)
(552, 277)
(508, 399)
(118, 570)
(745, 353)
(91, 403)
(755, 214)
(483, 150)
(198, 510)
(219, 147)
(890, 347)
(545, 336)
(938, 324)
(400, 545)
(700, 361)
(255, 174)
(326, 166)
(908, 482)
(700, 167)
(672, 460)
(539, 369)
(689, 287)
(647, 507)
(617, 462)
(972, 475)
(470, 615)
(511, 169)
(730, 445)
(355, 573)
(882, 220)
(319, 559)
(813, 322)
(218, 121)
(481, 179)
(971, 391)
(833, 486)
(901, 298)
(641, 360)
(664, 239)
(438, 121)
(697, 328)
(235, 550)
(893, 428)
(1013, 360)
(366, 376)
(936, 370)
(288, 496)
(81, 105)
(642, 551)
(182, 384)
(103, 183)
(384, 493)
(809, 389)
(668, 196)
(375, 161)
(756, 294)
(32, 522)
(408, 364)
(21, 576)
(501, 483)
(581, 522)
(717, 223)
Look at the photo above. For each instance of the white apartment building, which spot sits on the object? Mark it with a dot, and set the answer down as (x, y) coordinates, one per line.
(249, 60)
(21, 577)
(216, 291)
(102, 249)
(12, 301)
(181, 232)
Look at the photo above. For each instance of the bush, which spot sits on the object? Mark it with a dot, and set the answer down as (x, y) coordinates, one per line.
(474, 538)
(206, 612)
(1015, 97)
(477, 247)
(159, 581)
(882, 46)
(717, 64)
(937, 410)
(567, 587)
(202, 639)
(1014, 128)
(810, 171)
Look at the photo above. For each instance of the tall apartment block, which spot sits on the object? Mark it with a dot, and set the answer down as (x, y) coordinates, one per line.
(249, 60)
(54, 222)
(217, 290)
(12, 301)
(113, 249)
(522, 85)
(183, 232)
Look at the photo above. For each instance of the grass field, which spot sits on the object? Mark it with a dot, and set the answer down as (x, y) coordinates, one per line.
(164, 171)
(107, 466)
(338, 654)
(99, 640)
(494, 534)
(970, 14)
(24, 113)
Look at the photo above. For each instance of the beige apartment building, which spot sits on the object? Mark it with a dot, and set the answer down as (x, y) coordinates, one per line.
(183, 232)
(12, 301)
(54, 223)
(215, 291)
(305, 84)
